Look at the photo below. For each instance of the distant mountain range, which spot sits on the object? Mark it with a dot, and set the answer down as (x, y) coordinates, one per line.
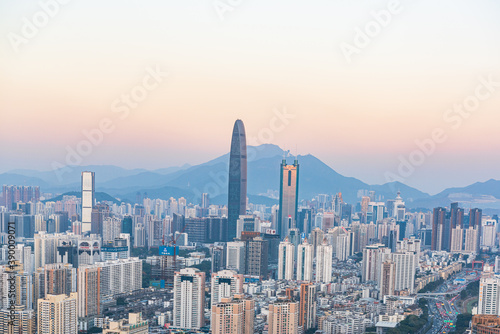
(315, 177)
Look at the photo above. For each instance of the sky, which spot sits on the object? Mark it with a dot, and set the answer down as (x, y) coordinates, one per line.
(156, 83)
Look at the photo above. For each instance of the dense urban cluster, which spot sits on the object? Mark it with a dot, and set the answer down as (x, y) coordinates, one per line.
(320, 265)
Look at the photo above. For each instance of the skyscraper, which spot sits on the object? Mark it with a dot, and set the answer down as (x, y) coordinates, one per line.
(438, 226)
(305, 261)
(489, 296)
(285, 260)
(88, 199)
(324, 257)
(189, 299)
(237, 189)
(307, 313)
(289, 197)
(387, 279)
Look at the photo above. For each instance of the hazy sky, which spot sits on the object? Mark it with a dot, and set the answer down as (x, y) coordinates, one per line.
(229, 59)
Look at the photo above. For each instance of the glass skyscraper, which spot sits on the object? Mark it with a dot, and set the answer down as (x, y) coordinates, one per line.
(289, 197)
(237, 190)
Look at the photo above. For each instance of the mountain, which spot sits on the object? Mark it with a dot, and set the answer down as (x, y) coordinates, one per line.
(315, 177)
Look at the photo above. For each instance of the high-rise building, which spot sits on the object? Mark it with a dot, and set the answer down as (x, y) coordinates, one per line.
(233, 316)
(438, 228)
(489, 295)
(317, 236)
(387, 279)
(373, 256)
(189, 299)
(283, 317)
(235, 259)
(88, 199)
(256, 256)
(305, 261)
(237, 187)
(345, 245)
(89, 291)
(58, 314)
(20, 321)
(405, 271)
(307, 313)
(24, 290)
(286, 260)
(60, 278)
(289, 197)
(324, 256)
(225, 284)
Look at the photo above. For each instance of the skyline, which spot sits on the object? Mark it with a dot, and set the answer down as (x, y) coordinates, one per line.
(357, 117)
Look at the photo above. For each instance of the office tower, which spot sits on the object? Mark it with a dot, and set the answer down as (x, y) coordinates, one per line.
(226, 284)
(475, 218)
(111, 229)
(237, 187)
(286, 260)
(373, 256)
(189, 299)
(216, 229)
(283, 317)
(304, 220)
(247, 223)
(387, 280)
(295, 238)
(375, 212)
(58, 314)
(89, 295)
(289, 197)
(324, 256)
(405, 271)
(88, 200)
(307, 313)
(127, 225)
(256, 255)
(135, 325)
(489, 296)
(305, 261)
(236, 256)
(21, 321)
(438, 226)
(59, 278)
(233, 316)
(317, 236)
(24, 290)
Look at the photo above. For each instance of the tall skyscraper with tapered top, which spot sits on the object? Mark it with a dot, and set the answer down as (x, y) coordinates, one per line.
(88, 199)
(237, 189)
(289, 197)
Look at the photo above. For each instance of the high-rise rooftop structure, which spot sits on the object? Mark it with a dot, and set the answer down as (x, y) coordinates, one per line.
(289, 197)
(189, 299)
(237, 188)
(283, 317)
(88, 199)
(58, 314)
